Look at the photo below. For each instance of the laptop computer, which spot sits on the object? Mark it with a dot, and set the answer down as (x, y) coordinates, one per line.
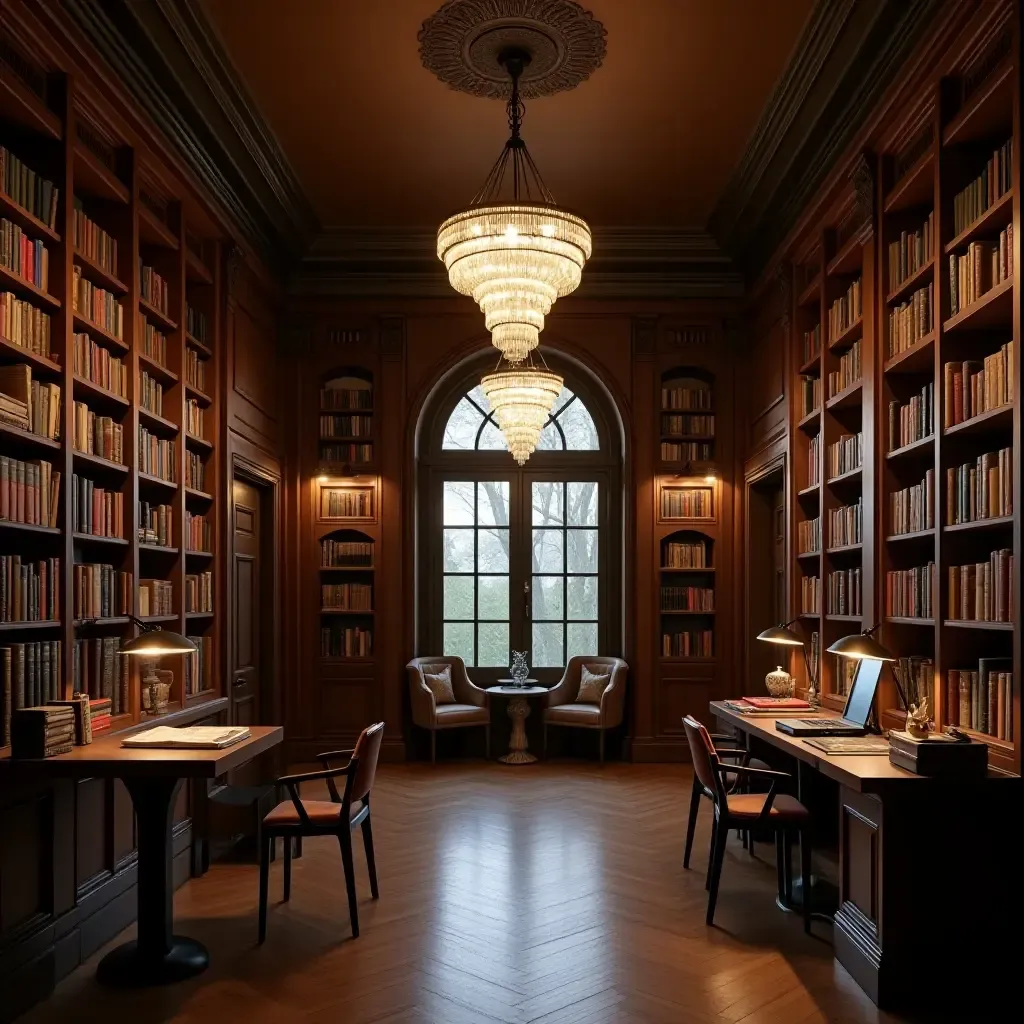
(855, 714)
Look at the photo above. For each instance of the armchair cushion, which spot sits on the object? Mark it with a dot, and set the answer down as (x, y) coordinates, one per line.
(574, 714)
(461, 714)
(592, 685)
(438, 679)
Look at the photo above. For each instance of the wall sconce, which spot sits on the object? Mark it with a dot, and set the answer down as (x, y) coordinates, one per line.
(704, 468)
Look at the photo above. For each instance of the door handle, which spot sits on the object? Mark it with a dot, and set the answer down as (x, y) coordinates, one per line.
(526, 600)
(238, 682)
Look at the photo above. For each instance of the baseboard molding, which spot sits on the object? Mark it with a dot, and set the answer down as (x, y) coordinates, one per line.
(655, 751)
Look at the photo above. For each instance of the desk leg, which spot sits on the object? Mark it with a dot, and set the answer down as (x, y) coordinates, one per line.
(157, 956)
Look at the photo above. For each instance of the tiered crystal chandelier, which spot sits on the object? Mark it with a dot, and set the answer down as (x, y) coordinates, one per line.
(514, 257)
(522, 398)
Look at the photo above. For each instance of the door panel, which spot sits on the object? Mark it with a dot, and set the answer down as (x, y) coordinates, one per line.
(245, 682)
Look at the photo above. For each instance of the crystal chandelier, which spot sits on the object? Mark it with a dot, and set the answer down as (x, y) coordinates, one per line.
(522, 398)
(514, 257)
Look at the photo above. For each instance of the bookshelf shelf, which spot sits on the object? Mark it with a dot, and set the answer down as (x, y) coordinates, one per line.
(993, 309)
(850, 476)
(156, 619)
(996, 216)
(1006, 746)
(992, 523)
(158, 482)
(157, 370)
(157, 549)
(191, 492)
(18, 104)
(157, 316)
(993, 420)
(808, 555)
(196, 269)
(812, 367)
(916, 280)
(18, 283)
(910, 620)
(202, 555)
(111, 620)
(7, 524)
(202, 349)
(812, 491)
(812, 419)
(91, 538)
(87, 388)
(193, 616)
(844, 618)
(919, 449)
(29, 223)
(92, 271)
(33, 625)
(344, 611)
(847, 398)
(26, 438)
(200, 396)
(916, 535)
(916, 359)
(849, 257)
(99, 333)
(198, 442)
(9, 351)
(915, 188)
(844, 549)
(978, 624)
(94, 179)
(157, 423)
(986, 111)
(848, 337)
(84, 459)
(153, 231)
(810, 296)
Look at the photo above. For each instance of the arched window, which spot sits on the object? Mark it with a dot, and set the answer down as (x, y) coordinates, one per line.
(519, 558)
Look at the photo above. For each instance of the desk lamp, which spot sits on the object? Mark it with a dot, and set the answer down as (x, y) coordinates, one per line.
(783, 636)
(864, 647)
(153, 643)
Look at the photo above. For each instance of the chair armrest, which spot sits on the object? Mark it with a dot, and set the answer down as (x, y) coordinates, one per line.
(465, 690)
(747, 770)
(421, 699)
(329, 754)
(291, 783)
(613, 698)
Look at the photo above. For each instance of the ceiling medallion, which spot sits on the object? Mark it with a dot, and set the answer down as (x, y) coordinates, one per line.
(462, 42)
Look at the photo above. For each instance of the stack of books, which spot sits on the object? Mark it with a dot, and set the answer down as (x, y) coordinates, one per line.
(99, 713)
(42, 731)
(15, 388)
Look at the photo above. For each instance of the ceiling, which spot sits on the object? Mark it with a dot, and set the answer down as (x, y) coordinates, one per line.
(376, 140)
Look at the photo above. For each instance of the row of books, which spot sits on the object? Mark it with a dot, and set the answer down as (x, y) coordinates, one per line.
(912, 508)
(196, 324)
(908, 592)
(29, 190)
(29, 591)
(156, 524)
(814, 461)
(982, 489)
(687, 599)
(910, 252)
(29, 492)
(346, 398)
(981, 592)
(993, 182)
(29, 404)
(198, 532)
(92, 241)
(153, 288)
(199, 666)
(808, 536)
(691, 643)
(971, 388)
(910, 321)
(195, 369)
(97, 435)
(845, 525)
(95, 510)
(810, 395)
(199, 591)
(342, 503)
(687, 503)
(812, 343)
(101, 591)
(156, 455)
(846, 669)
(983, 266)
(849, 371)
(23, 256)
(845, 311)
(687, 399)
(686, 451)
(356, 597)
(153, 342)
(96, 304)
(845, 455)
(151, 394)
(333, 425)
(843, 592)
(30, 675)
(917, 674)
(96, 363)
(982, 699)
(100, 670)
(810, 595)
(24, 325)
(345, 642)
(355, 453)
(913, 420)
(195, 471)
(685, 555)
(194, 418)
(343, 554)
(156, 597)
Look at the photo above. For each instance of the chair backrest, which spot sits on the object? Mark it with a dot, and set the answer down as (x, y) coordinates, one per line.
(365, 754)
(705, 760)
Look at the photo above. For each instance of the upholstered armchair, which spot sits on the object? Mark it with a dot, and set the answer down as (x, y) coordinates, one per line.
(562, 708)
(470, 707)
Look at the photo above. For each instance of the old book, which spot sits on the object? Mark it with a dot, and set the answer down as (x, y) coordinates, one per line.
(6, 696)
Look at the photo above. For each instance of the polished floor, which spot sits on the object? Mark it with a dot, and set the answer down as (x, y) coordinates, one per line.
(552, 894)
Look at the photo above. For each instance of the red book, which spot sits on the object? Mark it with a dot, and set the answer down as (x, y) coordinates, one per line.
(776, 702)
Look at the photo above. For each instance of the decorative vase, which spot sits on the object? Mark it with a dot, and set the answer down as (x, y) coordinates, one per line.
(779, 683)
(520, 669)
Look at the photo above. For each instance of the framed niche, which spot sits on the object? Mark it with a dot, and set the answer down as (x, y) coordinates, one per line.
(346, 500)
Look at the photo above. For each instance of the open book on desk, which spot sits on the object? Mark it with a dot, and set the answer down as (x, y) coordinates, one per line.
(192, 737)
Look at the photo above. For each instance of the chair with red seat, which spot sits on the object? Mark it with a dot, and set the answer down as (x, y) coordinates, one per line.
(779, 812)
(339, 817)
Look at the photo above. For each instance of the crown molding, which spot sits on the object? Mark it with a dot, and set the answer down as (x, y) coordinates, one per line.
(846, 58)
(170, 62)
(627, 263)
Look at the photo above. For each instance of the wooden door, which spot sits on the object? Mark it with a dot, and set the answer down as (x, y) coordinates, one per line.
(246, 580)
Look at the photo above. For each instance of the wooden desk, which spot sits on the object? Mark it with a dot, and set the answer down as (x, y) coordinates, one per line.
(153, 779)
(926, 866)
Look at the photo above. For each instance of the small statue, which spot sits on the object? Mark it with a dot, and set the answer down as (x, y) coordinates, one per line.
(520, 668)
(918, 720)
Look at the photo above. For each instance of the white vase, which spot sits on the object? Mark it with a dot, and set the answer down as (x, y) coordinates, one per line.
(779, 683)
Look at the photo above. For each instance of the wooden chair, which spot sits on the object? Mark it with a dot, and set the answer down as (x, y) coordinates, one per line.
(781, 813)
(339, 817)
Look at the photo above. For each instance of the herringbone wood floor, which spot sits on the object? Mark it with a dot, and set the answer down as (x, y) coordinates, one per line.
(553, 894)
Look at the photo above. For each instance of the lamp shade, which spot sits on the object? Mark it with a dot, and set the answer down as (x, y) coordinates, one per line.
(156, 642)
(861, 646)
(781, 634)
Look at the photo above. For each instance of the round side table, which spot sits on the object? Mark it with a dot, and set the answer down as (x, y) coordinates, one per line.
(518, 710)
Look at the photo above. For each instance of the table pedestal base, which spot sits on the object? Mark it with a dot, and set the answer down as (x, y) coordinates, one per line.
(130, 967)
(518, 710)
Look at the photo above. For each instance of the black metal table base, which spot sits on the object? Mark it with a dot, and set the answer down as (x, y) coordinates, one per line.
(128, 966)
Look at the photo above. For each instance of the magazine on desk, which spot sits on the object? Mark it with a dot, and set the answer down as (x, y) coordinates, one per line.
(191, 737)
(743, 707)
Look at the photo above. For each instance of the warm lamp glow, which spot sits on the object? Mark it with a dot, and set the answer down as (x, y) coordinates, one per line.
(522, 399)
(782, 635)
(156, 642)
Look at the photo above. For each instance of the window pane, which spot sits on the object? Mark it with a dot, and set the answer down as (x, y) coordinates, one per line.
(493, 638)
(460, 431)
(581, 592)
(458, 503)
(578, 425)
(458, 597)
(581, 500)
(582, 639)
(458, 550)
(479, 397)
(582, 550)
(547, 597)
(492, 503)
(550, 439)
(493, 597)
(492, 555)
(564, 397)
(547, 645)
(548, 555)
(458, 639)
(547, 504)
(491, 439)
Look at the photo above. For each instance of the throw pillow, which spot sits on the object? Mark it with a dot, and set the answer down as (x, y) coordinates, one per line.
(439, 682)
(592, 685)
